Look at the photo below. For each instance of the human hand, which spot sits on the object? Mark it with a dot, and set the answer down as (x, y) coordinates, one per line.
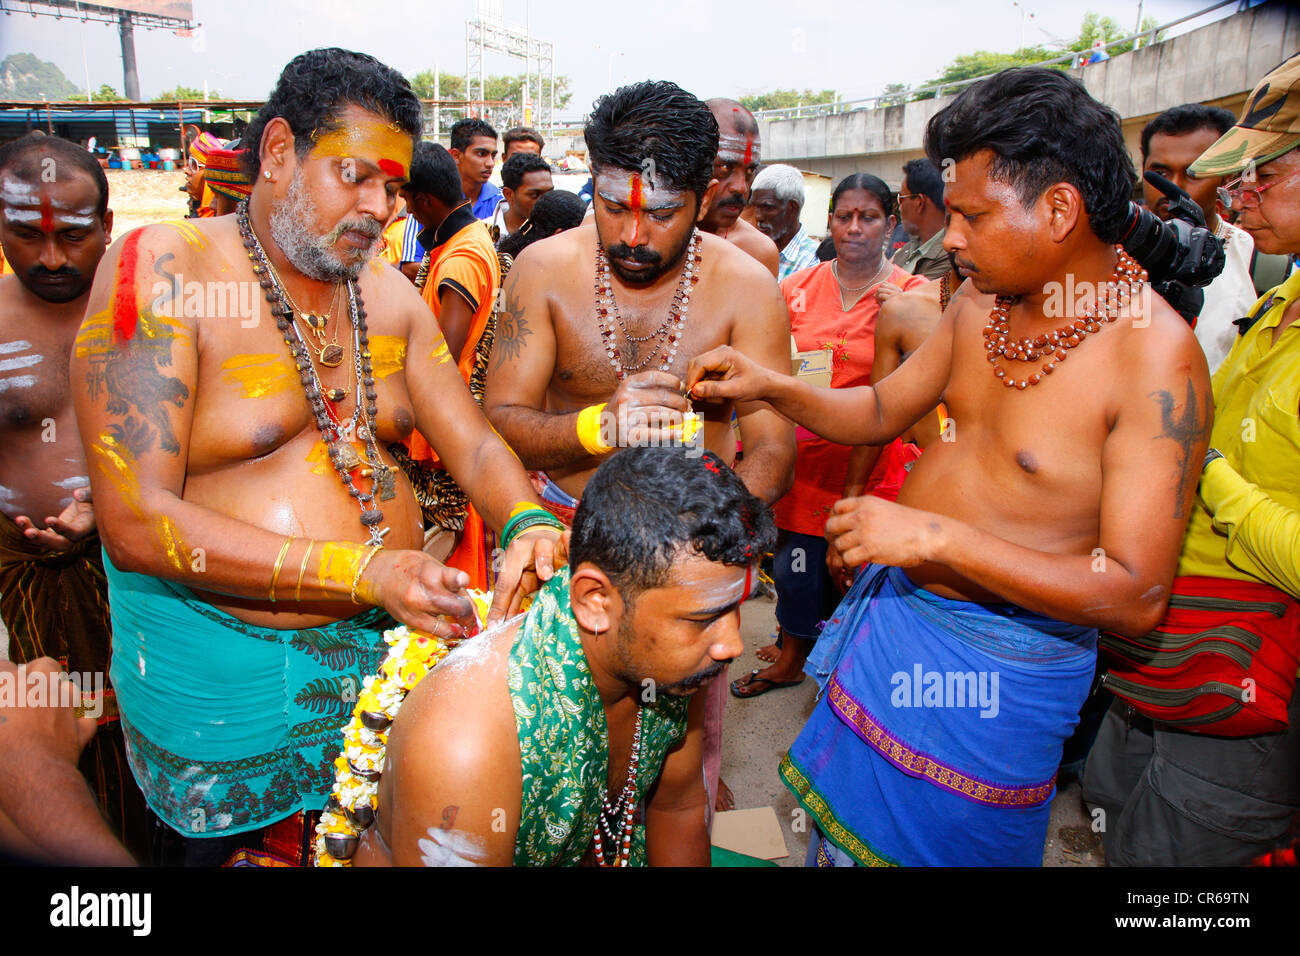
(418, 591)
(73, 523)
(727, 374)
(886, 291)
(529, 562)
(841, 574)
(644, 410)
(51, 730)
(870, 529)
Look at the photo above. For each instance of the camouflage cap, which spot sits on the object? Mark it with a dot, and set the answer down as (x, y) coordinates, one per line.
(1269, 126)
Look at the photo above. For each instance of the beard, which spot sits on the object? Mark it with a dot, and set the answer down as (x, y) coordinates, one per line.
(70, 285)
(316, 256)
(632, 673)
(647, 255)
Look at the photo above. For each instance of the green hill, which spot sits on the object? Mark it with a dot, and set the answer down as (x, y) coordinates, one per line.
(24, 77)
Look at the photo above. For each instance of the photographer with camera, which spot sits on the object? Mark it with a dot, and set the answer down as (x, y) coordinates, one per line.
(1198, 762)
(1170, 144)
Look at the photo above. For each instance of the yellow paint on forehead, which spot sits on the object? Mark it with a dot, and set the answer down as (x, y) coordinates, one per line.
(387, 354)
(340, 562)
(371, 142)
(259, 375)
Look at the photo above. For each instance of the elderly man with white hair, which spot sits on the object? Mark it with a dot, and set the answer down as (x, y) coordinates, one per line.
(777, 198)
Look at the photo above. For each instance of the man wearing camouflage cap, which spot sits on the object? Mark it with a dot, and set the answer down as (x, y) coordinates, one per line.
(1195, 795)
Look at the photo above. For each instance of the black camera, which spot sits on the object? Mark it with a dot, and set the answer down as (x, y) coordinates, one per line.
(1181, 255)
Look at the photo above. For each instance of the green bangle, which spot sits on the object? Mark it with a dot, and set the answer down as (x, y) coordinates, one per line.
(528, 519)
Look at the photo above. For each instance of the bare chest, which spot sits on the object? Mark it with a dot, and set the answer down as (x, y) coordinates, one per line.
(642, 339)
(33, 379)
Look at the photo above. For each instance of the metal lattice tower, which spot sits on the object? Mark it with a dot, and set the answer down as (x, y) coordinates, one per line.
(490, 32)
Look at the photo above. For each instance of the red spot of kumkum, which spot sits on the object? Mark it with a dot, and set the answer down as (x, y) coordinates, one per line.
(749, 580)
(637, 202)
(391, 167)
(749, 149)
(47, 214)
(126, 314)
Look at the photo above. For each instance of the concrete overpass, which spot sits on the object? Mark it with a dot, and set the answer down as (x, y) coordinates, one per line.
(1218, 64)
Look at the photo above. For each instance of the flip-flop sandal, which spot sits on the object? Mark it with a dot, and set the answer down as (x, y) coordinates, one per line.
(753, 677)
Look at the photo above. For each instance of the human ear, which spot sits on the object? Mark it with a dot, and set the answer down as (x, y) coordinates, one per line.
(592, 599)
(707, 200)
(277, 146)
(1064, 207)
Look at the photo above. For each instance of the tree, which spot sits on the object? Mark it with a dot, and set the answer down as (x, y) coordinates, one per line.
(25, 77)
(1105, 29)
(105, 94)
(451, 86)
(786, 99)
(187, 94)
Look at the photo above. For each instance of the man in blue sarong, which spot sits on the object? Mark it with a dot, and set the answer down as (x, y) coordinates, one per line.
(1053, 505)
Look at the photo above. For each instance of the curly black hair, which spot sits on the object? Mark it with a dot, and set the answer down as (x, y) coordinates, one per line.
(644, 507)
(520, 165)
(658, 120)
(317, 85)
(554, 211)
(1043, 128)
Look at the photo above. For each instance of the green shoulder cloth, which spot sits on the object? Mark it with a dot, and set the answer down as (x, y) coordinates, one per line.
(563, 740)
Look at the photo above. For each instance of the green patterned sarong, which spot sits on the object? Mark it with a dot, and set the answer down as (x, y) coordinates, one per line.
(563, 740)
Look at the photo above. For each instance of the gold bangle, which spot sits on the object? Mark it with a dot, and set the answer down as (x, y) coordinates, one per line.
(362, 570)
(297, 592)
(279, 563)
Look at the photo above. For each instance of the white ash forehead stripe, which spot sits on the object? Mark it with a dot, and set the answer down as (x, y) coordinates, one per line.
(17, 345)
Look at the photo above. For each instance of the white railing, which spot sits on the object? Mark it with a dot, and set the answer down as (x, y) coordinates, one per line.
(902, 96)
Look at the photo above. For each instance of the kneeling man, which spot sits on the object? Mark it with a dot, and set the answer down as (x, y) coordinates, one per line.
(535, 746)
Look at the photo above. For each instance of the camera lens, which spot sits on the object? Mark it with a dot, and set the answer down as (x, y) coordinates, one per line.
(1151, 242)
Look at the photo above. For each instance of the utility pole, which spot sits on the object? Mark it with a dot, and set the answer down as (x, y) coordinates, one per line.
(1138, 29)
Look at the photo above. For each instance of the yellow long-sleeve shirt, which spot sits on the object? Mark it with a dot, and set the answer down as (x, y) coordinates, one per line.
(1246, 522)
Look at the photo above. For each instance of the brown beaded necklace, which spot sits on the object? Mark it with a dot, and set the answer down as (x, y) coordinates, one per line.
(1126, 281)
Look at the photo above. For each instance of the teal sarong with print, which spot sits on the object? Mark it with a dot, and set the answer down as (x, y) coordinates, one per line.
(563, 738)
(229, 726)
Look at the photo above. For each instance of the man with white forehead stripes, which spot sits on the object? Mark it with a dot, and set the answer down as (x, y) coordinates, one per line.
(54, 226)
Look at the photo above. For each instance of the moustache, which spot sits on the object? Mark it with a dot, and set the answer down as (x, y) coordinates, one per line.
(703, 677)
(66, 272)
(368, 227)
(634, 253)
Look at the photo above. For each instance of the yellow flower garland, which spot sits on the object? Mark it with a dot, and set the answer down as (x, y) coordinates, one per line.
(351, 808)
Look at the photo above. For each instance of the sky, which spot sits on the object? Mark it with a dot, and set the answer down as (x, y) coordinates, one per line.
(710, 47)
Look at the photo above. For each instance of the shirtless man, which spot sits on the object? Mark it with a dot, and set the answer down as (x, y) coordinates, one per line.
(566, 387)
(739, 155)
(55, 226)
(492, 770)
(224, 484)
(1065, 495)
(550, 360)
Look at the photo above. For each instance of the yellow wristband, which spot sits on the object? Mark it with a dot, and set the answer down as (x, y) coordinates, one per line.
(520, 508)
(589, 430)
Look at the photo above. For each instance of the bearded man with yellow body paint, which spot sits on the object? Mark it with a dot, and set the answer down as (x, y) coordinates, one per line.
(258, 538)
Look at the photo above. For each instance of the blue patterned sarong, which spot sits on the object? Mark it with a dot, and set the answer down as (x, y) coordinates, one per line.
(941, 726)
(230, 726)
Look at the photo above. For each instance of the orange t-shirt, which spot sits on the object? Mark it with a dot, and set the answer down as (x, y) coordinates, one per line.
(393, 240)
(467, 264)
(818, 321)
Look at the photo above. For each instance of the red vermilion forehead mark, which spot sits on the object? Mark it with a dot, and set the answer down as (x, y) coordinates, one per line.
(391, 167)
(126, 314)
(47, 214)
(749, 149)
(749, 583)
(636, 199)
